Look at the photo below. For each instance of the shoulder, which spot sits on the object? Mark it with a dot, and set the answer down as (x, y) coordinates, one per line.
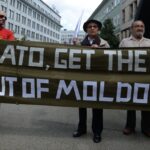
(126, 39)
(104, 43)
(7, 31)
(146, 39)
(124, 42)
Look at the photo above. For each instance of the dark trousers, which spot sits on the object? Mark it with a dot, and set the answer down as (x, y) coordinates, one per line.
(97, 120)
(145, 120)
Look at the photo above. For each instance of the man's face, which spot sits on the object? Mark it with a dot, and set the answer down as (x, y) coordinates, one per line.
(92, 29)
(2, 20)
(138, 29)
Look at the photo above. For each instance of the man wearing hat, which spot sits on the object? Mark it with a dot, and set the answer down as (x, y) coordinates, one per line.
(5, 34)
(92, 39)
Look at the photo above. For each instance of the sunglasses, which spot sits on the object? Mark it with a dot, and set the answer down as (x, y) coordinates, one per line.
(2, 17)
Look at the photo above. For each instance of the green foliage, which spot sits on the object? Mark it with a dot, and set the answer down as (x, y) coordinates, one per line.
(107, 33)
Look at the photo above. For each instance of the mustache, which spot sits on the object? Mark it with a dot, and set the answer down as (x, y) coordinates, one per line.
(140, 30)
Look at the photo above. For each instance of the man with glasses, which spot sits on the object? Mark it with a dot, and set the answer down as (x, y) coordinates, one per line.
(5, 34)
(92, 39)
(137, 40)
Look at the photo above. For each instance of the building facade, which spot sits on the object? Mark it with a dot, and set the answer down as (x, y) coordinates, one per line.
(109, 9)
(122, 13)
(32, 20)
(128, 11)
(68, 35)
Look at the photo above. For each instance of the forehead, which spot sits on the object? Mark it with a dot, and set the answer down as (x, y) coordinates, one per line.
(138, 23)
(92, 23)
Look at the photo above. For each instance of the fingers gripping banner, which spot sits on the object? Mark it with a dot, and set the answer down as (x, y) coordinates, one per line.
(74, 76)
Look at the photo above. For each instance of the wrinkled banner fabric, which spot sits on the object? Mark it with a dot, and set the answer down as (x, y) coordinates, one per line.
(73, 76)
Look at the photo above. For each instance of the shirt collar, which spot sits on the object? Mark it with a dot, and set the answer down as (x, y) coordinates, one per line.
(134, 39)
(90, 40)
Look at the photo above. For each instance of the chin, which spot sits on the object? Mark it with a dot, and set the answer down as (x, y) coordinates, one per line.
(93, 34)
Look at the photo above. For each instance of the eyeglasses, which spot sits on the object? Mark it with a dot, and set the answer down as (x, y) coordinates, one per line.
(137, 26)
(2, 17)
(94, 26)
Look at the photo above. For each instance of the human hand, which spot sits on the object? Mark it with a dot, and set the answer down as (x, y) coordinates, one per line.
(75, 41)
(94, 46)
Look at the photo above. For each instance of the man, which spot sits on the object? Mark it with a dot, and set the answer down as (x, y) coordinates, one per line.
(137, 40)
(5, 34)
(92, 28)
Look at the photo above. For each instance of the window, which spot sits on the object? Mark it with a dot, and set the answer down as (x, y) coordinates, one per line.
(33, 35)
(29, 23)
(49, 23)
(17, 29)
(33, 24)
(10, 26)
(38, 27)
(48, 31)
(29, 11)
(24, 8)
(117, 2)
(23, 20)
(34, 14)
(116, 21)
(11, 14)
(135, 4)
(23, 31)
(47, 39)
(12, 2)
(4, 9)
(28, 33)
(37, 36)
(19, 5)
(18, 17)
(41, 28)
(44, 39)
(45, 30)
(41, 37)
(4, 1)
(123, 16)
(45, 21)
(38, 17)
(42, 18)
(131, 11)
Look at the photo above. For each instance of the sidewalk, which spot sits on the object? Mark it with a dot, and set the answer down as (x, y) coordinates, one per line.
(29, 127)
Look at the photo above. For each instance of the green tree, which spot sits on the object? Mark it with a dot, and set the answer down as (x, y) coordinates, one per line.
(107, 33)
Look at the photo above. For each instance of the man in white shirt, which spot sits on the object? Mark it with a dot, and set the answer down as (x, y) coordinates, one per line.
(137, 40)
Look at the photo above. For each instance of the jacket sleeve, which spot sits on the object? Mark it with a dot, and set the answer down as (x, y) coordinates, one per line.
(122, 44)
(107, 45)
(104, 44)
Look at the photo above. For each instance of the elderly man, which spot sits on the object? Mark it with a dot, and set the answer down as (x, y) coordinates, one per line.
(92, 28)
(137, 40)
(5, 34)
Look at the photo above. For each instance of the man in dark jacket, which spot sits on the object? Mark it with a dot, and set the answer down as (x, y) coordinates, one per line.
(92, 28)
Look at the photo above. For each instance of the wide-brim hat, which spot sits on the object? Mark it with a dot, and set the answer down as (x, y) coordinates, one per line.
(2, 13)
(99, 24)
